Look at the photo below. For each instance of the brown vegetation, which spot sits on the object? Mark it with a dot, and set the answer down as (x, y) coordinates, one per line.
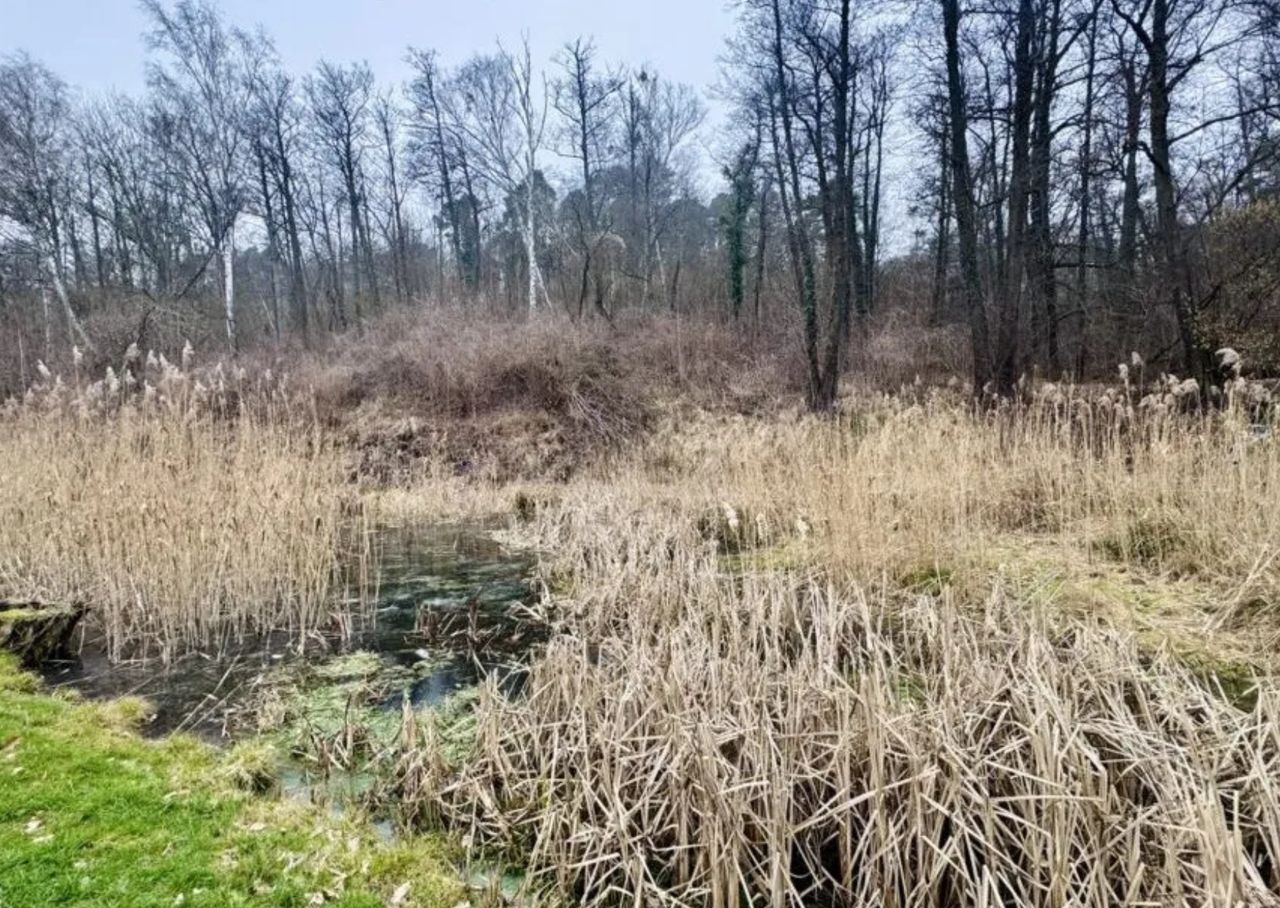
(921, 651)
(920, 654)
(177, 510)
(514, 398)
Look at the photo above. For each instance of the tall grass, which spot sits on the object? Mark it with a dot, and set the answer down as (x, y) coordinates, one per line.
(921, 482)
(180, 514)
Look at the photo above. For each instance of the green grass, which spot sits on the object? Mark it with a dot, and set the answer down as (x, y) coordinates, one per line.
(91, 814)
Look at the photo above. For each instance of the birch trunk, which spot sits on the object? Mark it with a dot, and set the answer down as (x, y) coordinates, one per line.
(48, 323)
(531, 242)
(74, 328)
(229, 282)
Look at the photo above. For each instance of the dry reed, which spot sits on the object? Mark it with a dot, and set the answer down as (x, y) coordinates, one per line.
(177, 513)
(746, 702)
(907, 485)
(698, 739)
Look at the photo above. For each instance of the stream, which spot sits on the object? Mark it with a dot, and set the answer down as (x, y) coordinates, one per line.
(447, 613)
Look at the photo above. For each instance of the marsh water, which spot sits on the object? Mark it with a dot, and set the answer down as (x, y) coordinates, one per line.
(449, 609)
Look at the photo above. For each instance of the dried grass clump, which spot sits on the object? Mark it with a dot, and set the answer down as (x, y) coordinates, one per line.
(708, 741)
(179, 511)
(460, 363)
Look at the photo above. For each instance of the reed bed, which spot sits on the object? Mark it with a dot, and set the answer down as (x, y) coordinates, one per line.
(179, 513)
(752, 698)
(767, 739)
(922, 483)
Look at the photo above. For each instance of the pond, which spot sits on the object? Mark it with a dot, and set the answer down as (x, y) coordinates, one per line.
(449, 610)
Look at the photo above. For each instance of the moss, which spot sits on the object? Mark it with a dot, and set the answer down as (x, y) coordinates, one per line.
(1148, 541)
(36, 632)
(92, 815)
(307, 706)
(13, 681)
(418, 862)
(252, 766)
(783, 557)
(910, 689)
(351, 666)
(1166, 612)
(455, 726)
(930, 580)
(126, 713)
(1234, 680)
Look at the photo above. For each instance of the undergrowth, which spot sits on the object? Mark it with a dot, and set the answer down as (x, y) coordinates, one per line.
(924, 654)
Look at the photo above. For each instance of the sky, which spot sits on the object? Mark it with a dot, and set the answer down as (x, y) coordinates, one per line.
(97, 46)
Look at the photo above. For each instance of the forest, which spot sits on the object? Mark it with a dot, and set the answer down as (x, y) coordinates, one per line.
(539, 482)
(1085, 180)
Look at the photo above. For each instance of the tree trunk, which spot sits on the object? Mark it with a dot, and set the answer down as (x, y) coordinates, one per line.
(297, 276)
(762, 241)
(531, 255)
(1042, 262)
(1130, 210)
(962, 195)
(942, 248)
(95, 230)
(1020, 179)
(229, 283)
(843, 243)
(1197, 360)
(1083, 296)
(792, 208)
(74, 328)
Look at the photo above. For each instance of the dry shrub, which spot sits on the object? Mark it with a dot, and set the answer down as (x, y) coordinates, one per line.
(1242, 258)
(116, 320)
(180, 514)
(525, 398)
(900, 347)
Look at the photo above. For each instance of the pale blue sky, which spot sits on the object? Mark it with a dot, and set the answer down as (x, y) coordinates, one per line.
(97, 44)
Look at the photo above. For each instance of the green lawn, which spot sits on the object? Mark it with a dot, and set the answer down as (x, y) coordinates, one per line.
(91, 814)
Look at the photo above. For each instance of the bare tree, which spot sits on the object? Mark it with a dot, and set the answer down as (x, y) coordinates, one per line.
(440, 154)
(585, 101)
(203, 86)
(962, 198)
(277, 126)
(1178, 39)
(340, 99)
(493, 108)
(660, 116)
(33, 167)
(387, 115)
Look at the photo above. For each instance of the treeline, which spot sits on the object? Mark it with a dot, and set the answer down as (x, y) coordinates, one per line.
(1102, 173)
(1087, 178)
(277, 204)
